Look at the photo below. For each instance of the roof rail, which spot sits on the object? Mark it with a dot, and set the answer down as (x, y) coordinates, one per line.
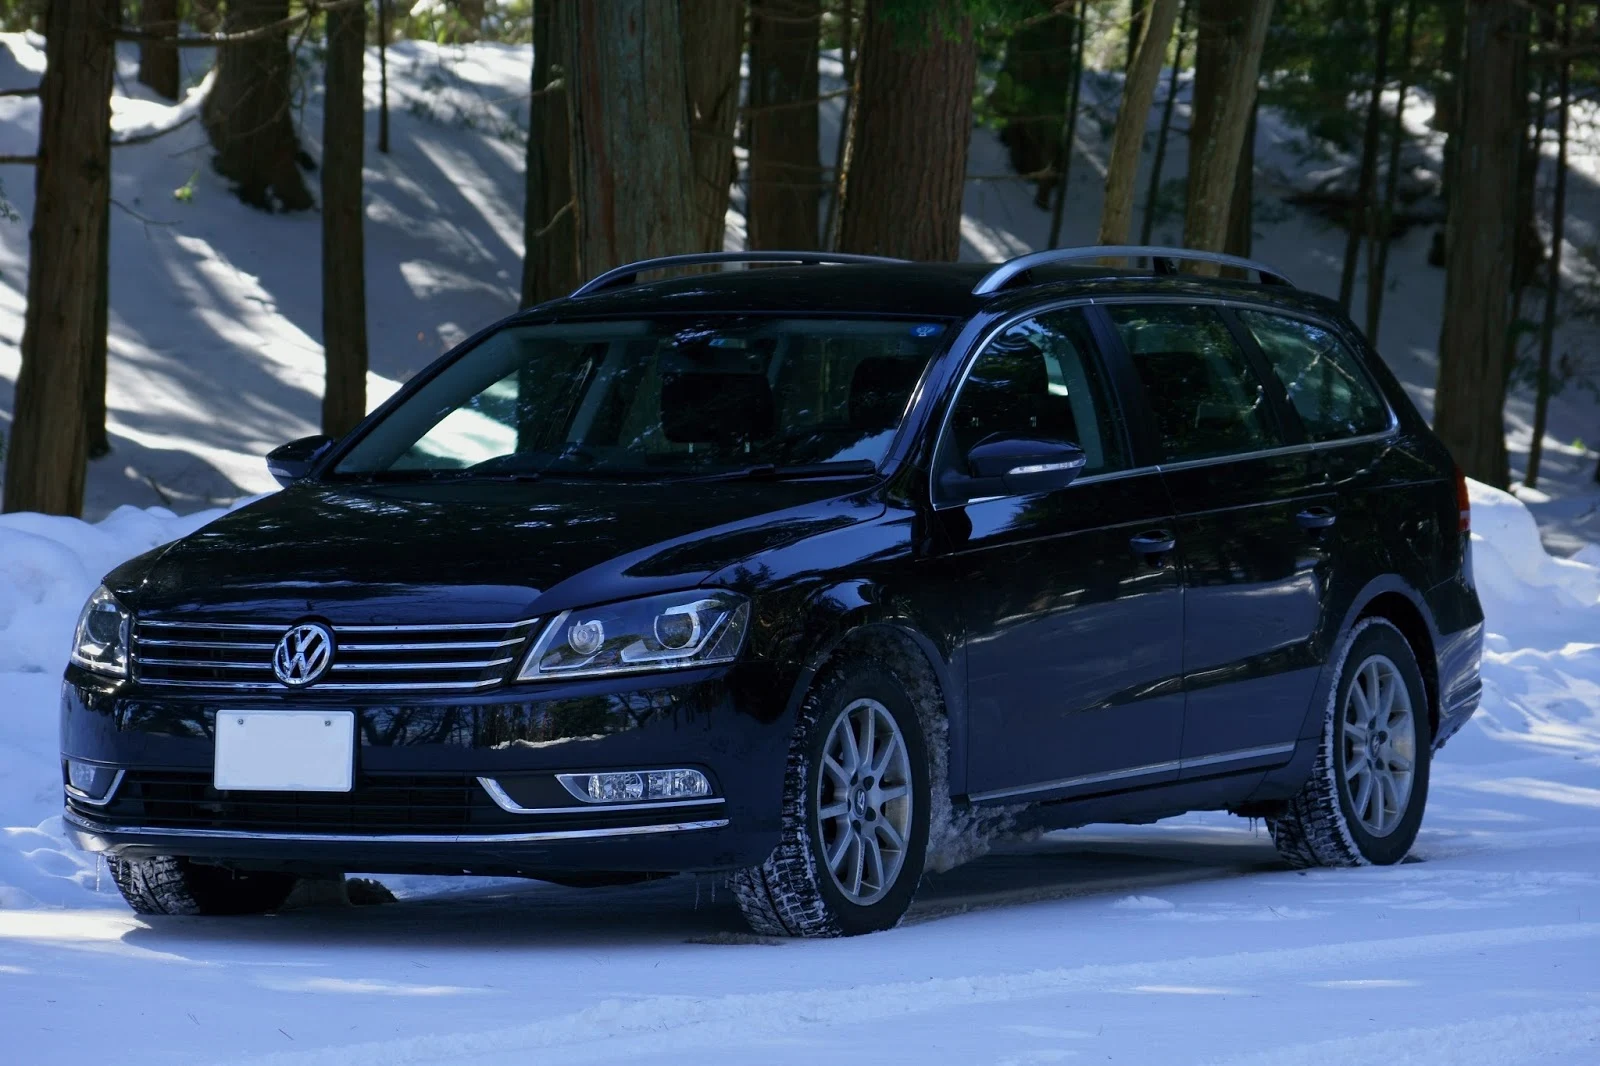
(627, 273)
(1161, 259)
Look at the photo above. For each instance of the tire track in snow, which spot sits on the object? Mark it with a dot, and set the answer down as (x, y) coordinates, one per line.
(663, 1023)
(1490, 1042)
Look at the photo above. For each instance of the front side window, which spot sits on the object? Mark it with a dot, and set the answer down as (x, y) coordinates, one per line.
(1206, 399)
(656, 398)
(1327, 388)
(1040, 379)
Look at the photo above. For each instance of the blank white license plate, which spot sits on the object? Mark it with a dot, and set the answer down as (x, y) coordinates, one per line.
(285, 751)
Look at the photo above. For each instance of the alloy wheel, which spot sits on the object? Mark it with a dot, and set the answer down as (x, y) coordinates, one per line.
(864, 801)
(1379, 746)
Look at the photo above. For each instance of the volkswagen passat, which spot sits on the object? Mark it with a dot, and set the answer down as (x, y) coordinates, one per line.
(792, 573)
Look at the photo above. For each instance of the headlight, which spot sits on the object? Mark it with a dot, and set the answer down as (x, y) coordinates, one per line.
(101, 641)
(655, 633)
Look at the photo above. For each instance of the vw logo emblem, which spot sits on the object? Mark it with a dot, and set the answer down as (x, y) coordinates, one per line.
(303, 654)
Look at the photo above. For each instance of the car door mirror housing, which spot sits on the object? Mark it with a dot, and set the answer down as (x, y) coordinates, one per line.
(293, 461)
(1023, 465)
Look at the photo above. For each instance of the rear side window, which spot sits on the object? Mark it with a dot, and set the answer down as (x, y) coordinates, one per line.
(1206, 399)
(1040, 379)
(1326, 386)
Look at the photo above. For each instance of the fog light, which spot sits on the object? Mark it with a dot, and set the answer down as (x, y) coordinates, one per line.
(91, 783)
(639, 786)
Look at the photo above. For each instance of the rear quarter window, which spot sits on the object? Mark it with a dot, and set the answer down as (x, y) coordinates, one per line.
(1325, 382)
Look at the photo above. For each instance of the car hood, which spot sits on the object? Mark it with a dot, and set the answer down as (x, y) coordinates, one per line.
(475, 551)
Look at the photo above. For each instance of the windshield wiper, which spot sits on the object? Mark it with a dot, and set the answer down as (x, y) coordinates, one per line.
(793, 472)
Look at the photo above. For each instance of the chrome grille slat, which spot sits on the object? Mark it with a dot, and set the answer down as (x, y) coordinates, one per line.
(196, 653)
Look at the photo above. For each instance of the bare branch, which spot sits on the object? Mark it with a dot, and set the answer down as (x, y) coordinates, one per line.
(32, 90)
(216, 40)
(565, 210)
(18, 160)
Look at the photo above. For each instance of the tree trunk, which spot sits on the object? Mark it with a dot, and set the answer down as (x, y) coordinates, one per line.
(247, 113)
(1227, 65)
(1138, 16)
(841, 152)
(158, 63)
(1356, 224)
(1530, 245)
(1378, 248)
(632, 170)
(98, 441)
(913, 121)
(344, 285)
(1558, 226)
(1127, 142)
(383, 76)
(1241, 211)
(713, 37)
(550, 259)
(468, 23)
(785, 170)
(1156, 165)
(44, 461)
(1069, 125)
(1447, 89)
(1469, 403)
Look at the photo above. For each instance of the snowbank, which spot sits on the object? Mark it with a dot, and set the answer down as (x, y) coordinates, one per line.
(48, 568)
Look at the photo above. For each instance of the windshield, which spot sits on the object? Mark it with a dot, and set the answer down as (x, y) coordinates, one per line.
(651, 398)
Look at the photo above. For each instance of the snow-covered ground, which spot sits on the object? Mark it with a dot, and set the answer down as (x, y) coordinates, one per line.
(1185, 941)
(1182, 942)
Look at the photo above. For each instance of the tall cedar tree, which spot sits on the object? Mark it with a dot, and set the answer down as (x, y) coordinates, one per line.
(913, 120)
(713, 41)
(94, 404)
(632, 170)
(247, 113)
(1361, 208)
(158, 62)
(1147, 223)
(550, 259)
(344, 274)
(1469, 405)
(1227, 66)
(1127, 142)
(1381, 232)
(72, 190)
(1558, 227)
(785, 170)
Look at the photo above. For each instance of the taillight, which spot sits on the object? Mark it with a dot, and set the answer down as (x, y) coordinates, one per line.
(1463, 501)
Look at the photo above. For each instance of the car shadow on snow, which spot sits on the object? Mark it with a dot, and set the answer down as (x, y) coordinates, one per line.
(1093, 868)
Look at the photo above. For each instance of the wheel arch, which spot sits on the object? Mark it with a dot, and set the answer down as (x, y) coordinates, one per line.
(1394, 600)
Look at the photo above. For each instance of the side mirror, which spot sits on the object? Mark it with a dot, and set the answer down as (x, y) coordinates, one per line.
(1026, 465)
(293, 461)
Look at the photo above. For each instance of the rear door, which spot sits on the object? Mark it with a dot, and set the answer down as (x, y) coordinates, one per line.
(1253, 524)
(1074, 622)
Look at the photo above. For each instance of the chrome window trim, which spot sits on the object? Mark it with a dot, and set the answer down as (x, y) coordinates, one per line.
(545, 836)
(1103, 301)
(504, 801)
(111, 793)
(1147, 770)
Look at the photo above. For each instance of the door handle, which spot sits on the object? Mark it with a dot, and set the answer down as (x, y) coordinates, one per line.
(1153, 542)
(1316, 518)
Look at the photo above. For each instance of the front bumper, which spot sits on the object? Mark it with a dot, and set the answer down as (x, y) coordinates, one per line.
(418, 805)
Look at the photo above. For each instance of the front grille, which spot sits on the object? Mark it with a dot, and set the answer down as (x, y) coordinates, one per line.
(370, 658)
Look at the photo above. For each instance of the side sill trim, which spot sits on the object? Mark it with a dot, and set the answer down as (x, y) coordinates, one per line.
(156, 835)
(503, 800)
(1241, 755)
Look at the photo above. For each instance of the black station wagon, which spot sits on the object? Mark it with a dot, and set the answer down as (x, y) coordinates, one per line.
(798, 573)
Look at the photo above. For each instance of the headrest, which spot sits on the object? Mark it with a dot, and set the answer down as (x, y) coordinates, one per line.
(716, 408)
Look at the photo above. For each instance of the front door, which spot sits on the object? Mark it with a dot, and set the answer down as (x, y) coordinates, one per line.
(1254, 528)
(1072, 599)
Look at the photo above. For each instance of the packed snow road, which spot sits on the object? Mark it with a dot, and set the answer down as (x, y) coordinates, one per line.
(1183, 942)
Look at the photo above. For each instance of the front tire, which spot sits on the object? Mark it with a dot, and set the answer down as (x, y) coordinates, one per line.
(1365, 799)
(855, 813)
(169, 884)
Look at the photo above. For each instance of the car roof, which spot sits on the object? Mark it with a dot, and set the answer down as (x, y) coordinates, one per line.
(912, 290)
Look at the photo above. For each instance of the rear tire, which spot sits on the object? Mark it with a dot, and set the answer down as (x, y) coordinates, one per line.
(1365, 799)
(855, 813)
(168, 884)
